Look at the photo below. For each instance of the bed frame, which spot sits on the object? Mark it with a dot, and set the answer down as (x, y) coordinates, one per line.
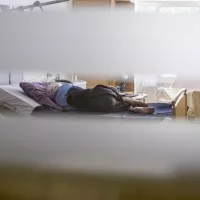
(179, 104)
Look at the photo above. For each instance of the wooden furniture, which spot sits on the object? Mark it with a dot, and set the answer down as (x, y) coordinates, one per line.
(105, 3)
(92, 3)
(23, 184)
(92, 81)
(129, 86)
(124, 4)
(193, 102)
(179, 104)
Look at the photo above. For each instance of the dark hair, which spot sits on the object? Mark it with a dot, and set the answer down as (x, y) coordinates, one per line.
(63, 81)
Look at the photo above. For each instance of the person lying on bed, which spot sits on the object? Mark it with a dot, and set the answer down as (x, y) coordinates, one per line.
(98, 99)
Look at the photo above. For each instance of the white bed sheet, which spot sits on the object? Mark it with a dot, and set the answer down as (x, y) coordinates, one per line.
(14, 98)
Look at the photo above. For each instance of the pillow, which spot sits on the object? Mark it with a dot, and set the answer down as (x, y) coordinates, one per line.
(37, 91)
(4, 77)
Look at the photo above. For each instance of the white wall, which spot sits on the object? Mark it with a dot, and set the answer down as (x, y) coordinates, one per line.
(66, 6)
(189, 82)
(40, 75)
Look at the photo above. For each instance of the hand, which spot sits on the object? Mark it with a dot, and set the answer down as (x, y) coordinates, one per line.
(136, 103)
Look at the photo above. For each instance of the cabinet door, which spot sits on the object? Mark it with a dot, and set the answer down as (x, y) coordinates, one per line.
(124, 4)
(90, 3)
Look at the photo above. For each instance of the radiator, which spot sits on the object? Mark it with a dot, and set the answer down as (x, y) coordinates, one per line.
(149, 85)
(151, 92)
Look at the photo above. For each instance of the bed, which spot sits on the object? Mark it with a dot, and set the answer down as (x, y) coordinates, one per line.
(14, 98)
(193, 102)
(177, 108)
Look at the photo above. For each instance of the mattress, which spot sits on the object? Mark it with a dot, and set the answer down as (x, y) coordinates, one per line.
(126, 115)
(14, 98)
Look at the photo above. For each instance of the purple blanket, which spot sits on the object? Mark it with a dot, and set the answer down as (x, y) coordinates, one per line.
(38, 92)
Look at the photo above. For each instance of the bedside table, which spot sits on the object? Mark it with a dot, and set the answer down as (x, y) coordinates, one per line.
(80, 83)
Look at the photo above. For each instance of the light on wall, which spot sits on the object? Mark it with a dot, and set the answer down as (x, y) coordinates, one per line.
(124, 77)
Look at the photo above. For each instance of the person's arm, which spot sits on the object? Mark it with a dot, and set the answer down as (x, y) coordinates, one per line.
(127, 101)
(132, 102)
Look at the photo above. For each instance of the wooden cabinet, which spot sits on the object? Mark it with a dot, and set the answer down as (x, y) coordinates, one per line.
(24, 184)
(124, 4)
(91, 3)
(106, 3)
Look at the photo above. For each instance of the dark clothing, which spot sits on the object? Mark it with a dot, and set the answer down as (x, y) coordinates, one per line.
(99, 99)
